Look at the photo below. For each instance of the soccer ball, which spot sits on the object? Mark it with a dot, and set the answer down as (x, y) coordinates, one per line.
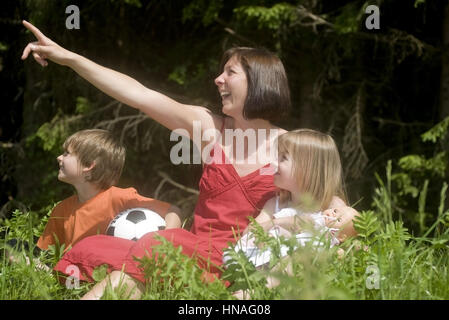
(133, 223)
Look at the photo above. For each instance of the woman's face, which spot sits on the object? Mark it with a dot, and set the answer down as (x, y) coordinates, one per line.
(232, 86)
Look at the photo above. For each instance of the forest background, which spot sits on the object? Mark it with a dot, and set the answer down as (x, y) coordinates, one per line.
(383, 94)
(375, 91)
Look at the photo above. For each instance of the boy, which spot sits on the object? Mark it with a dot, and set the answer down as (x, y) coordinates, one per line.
(92, 162)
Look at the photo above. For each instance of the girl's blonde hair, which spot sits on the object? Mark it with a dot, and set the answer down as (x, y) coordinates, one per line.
(316, 166)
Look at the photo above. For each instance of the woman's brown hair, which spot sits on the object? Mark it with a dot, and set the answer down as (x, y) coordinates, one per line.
(268, 94)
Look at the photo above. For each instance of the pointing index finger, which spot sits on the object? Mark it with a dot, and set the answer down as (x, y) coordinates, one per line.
(38, 34)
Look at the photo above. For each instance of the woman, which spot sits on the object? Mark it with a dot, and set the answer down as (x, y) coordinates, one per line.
(254, 91)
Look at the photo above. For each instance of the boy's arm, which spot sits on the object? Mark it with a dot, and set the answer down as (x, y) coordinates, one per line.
(130, 198)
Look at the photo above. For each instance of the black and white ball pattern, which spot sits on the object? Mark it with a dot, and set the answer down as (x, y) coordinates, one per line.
(133, 223)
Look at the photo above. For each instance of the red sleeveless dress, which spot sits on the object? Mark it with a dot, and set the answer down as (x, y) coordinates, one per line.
(225, 202)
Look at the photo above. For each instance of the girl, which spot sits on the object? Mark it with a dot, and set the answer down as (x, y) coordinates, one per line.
(309, 175)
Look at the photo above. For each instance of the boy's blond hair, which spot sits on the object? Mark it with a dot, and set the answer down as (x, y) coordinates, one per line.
(316, 166)
(99, 147)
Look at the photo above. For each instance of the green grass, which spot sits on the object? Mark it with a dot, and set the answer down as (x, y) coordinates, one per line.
(384, 262)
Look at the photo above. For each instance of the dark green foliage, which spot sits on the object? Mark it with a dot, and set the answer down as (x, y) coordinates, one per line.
(362, 86)
(375, 91)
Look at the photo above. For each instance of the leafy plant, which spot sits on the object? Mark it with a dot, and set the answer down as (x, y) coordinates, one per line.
(170, 274)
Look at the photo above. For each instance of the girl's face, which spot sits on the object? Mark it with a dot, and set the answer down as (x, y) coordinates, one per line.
(284, 177)
(232, 86)
(69, 168)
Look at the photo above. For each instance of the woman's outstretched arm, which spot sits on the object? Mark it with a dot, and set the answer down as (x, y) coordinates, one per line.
(166, 111)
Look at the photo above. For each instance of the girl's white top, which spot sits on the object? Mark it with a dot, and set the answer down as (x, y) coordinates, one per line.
(260, 257)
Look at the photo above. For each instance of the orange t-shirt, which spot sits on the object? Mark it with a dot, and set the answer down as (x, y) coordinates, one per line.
(72, 221)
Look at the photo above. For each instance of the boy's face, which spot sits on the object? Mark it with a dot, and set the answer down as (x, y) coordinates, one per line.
(69, 168)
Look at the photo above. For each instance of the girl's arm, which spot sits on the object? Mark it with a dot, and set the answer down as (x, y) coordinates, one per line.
(337, 202)
(339, 218)
(266, 221)
(265, 216)
(166, 111)
(288, 223)
(294, 224)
